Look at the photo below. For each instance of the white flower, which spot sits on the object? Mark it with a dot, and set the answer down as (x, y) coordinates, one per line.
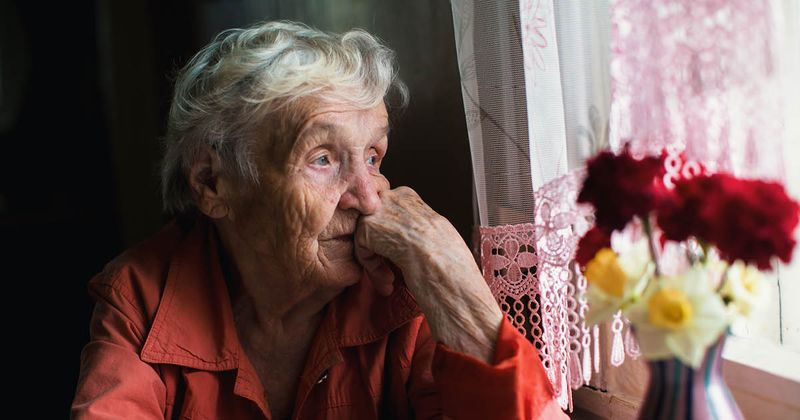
(616, 279)
(634, 258)
(745, 287)
(681, 317)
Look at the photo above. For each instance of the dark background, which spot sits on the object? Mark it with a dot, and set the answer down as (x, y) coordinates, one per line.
(84, 90)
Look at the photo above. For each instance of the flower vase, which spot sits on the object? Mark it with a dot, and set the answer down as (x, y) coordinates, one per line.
(678, 391)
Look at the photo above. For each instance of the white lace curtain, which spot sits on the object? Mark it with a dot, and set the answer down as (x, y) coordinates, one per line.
(547, 84)
(536, 88)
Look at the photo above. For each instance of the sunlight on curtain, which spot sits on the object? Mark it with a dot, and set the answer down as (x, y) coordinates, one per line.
(787, 20)
(710, 79)
(535, 84)
(547, 84)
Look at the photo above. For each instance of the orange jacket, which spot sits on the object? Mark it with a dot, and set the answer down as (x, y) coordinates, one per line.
(163, 345)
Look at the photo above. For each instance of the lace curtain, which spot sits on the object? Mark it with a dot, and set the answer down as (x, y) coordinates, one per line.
(546, 84)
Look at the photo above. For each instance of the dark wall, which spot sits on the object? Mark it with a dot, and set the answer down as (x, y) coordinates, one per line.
(85, 89)
(58, 223)
(144, 43)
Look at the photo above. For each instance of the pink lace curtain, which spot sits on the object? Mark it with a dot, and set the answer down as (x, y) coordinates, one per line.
(700, 77)
(546, 84)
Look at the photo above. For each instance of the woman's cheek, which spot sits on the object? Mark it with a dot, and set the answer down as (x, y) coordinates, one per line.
(322, 174)
(326, 182)
(319, 202)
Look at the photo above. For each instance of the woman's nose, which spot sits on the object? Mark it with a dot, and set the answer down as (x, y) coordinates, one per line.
(363, 192)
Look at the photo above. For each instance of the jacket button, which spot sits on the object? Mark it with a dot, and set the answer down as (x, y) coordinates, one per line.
(322, 378)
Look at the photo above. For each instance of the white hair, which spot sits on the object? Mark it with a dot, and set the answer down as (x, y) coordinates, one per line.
(228, 88)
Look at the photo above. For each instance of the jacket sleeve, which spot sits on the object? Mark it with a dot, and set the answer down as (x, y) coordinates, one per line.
(114, 382)
(515, 386)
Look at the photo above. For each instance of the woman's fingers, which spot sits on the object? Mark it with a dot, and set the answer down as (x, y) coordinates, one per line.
(385, 239)
(436, 265)
(401, 228)
(378, 270)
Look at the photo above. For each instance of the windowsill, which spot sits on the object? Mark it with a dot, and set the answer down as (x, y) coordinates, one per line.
(762, 355)
(764, 378)
(766, 386)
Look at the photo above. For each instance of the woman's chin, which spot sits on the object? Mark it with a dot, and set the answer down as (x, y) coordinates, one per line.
(341, 263)
(339, 250)
(345, 274)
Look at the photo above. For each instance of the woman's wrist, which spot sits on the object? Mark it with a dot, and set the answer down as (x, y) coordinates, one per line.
(458, 305)
(473, 333)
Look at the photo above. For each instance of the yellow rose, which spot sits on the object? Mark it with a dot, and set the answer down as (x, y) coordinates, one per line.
(669, 308)
(605, 273)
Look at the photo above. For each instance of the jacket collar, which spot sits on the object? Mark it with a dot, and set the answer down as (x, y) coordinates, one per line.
(361, 315)
(194, 326)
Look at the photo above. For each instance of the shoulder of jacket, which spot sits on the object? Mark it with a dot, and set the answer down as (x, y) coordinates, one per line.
(140, 273)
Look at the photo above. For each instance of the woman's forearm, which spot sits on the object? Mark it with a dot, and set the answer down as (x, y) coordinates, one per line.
(458, 305)
(438, 269)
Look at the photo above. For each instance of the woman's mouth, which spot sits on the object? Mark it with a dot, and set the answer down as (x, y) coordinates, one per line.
(343, 238)
(340, 247)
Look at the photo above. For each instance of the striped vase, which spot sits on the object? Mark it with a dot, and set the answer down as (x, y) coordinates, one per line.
(677, 391)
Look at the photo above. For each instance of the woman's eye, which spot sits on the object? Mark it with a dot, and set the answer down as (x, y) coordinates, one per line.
(322, 160)
(372, 160)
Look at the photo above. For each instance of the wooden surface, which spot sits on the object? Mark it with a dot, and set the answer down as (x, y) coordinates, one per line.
(580, 414)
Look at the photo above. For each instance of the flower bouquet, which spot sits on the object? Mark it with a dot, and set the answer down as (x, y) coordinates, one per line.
(681, 263)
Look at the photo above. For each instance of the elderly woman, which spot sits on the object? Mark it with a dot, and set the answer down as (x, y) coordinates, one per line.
(294, 282)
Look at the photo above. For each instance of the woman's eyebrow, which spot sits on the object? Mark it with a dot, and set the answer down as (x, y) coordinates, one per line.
(381, 133)
(320, 127)
(335, 130)
(316, 132)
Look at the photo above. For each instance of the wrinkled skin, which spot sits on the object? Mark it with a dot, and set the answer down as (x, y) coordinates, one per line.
(321, 214)
(437, 267)
(302, 217)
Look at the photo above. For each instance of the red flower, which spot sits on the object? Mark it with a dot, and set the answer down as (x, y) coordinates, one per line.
(748, 220)
(621, 187)
(679, 217)
(594, 240)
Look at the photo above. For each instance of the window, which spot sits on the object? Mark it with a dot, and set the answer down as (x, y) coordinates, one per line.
(597, 101)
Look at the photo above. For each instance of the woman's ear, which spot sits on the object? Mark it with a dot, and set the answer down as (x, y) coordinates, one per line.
(208, 186)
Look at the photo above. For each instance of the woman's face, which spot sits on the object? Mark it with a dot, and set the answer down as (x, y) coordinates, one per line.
(300, 220)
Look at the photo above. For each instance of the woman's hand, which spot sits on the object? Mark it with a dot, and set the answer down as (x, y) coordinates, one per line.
(437, 267)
